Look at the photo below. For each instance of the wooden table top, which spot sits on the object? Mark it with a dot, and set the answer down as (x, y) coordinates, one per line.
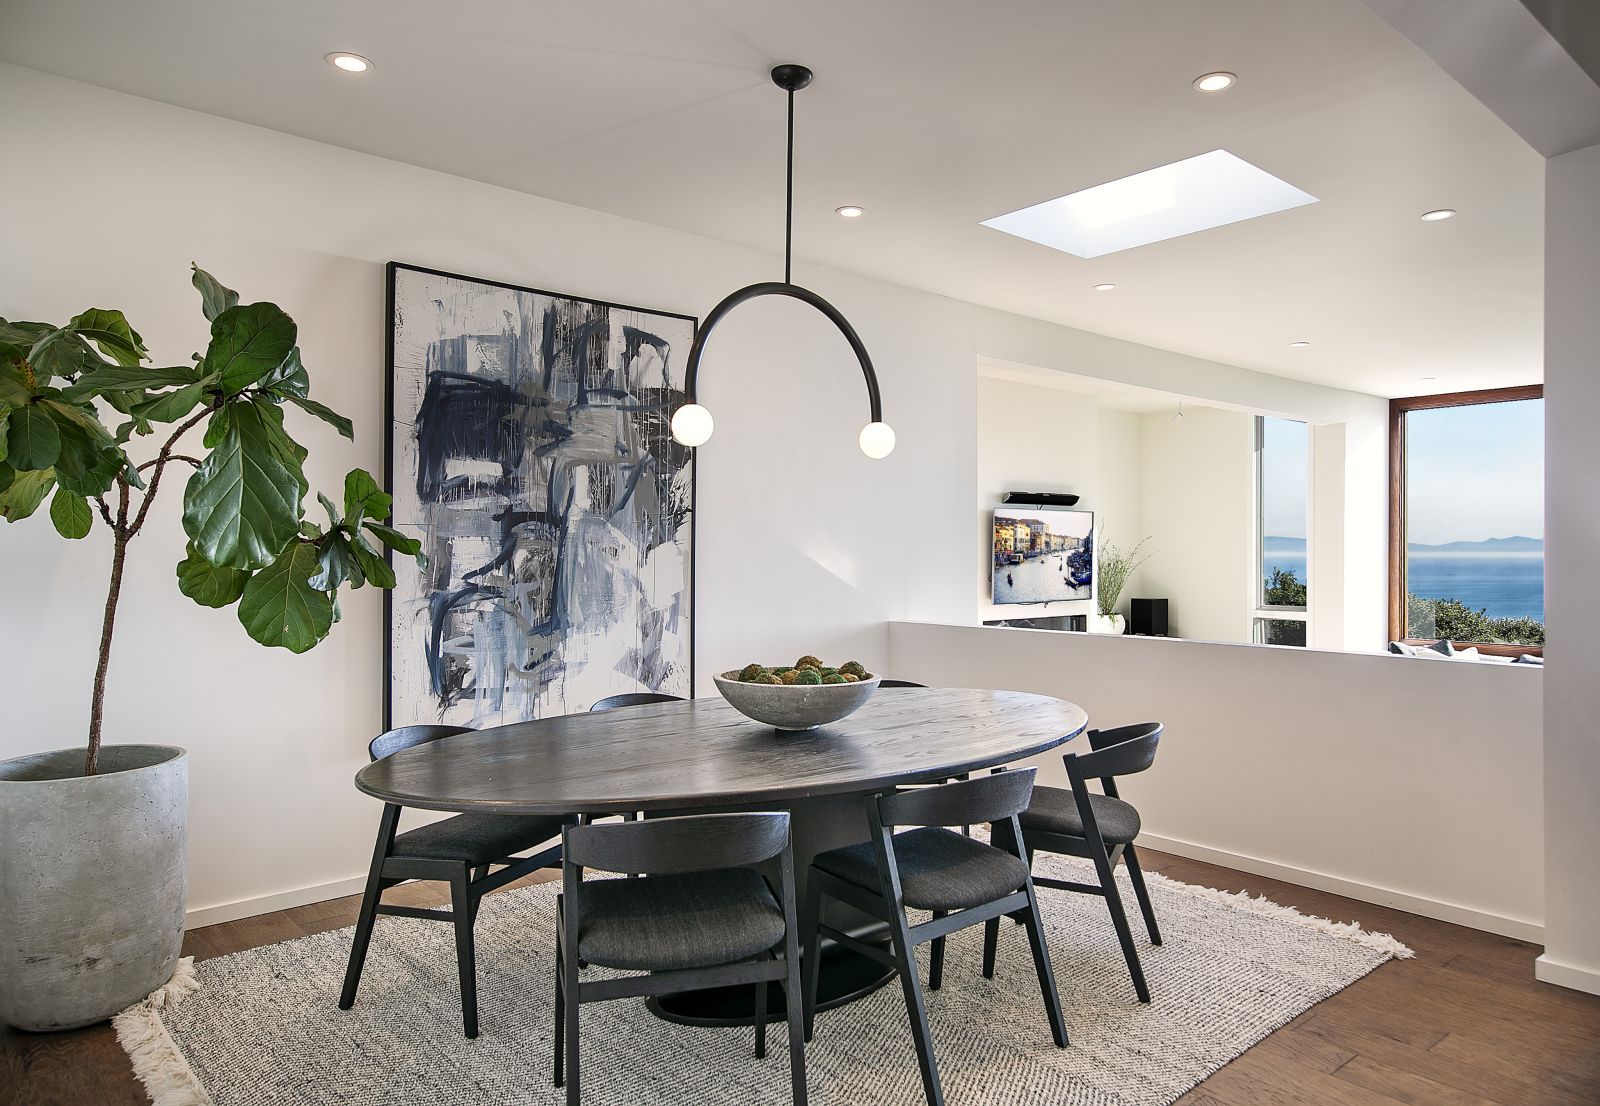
(703, 753)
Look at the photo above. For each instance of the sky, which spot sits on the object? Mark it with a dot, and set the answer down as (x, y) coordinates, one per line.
(1284, 477)
(1475, 472)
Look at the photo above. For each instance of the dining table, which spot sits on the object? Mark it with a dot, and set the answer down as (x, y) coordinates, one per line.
(701, 755)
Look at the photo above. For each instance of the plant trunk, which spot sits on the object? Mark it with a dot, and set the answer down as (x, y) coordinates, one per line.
(97, 704)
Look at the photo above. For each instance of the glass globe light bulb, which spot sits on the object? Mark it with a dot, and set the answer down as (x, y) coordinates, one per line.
(692, 425)
(877, 440)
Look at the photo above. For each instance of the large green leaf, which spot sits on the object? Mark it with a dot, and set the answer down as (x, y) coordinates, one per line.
(17, 338)
(170, 406)
(70, 513)
(343, 425)
(281, 608)
(25, 494)
(207, 584)
(336, 563)
(111, 334)
(363, 498)
(242, 506)
(13, 393)
(397, 541)
(90, 457)
(7, 475)
(32, 441)
(288, 379)
(247, 343)
(214, 298)
(372, 564)
(63, 353)
(125, 378)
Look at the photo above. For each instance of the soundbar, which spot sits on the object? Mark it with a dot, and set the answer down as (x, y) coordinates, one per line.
(1042, 499)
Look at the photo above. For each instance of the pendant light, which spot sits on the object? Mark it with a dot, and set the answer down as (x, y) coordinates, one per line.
(691, 423)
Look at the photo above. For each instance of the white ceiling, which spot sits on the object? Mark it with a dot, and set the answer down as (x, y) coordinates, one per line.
(933, 115)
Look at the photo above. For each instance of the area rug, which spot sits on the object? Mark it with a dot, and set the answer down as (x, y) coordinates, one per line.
(262, 1028)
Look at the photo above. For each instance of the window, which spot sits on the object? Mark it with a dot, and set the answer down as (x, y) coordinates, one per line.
(1282, 559)
(1466, 519)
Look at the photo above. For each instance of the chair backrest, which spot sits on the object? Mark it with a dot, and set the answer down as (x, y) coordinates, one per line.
(664, 846)
(899, 683)
(409, 737)
(963, 803)
(634, 699)
(1119, 752)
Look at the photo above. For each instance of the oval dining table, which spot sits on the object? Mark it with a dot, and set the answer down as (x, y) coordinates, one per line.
(701, 755)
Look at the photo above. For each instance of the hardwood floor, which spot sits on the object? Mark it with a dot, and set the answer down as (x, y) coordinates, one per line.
(1464, 1024)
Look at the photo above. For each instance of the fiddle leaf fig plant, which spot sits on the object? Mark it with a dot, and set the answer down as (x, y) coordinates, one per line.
(75, 398)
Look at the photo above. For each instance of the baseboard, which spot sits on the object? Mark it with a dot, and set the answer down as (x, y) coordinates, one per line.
(266, 904)
(1520, 928)
(1547, 970)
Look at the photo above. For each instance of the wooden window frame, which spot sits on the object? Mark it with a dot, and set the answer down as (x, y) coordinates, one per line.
(1398, 408)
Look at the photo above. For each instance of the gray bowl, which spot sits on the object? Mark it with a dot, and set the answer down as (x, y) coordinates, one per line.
(795, 706)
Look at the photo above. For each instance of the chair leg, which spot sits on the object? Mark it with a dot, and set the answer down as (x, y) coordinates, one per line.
(1119, 919)
(810, 920)
(936, 959)
(916, 1010)
(1136, 874)
(369, 908)
(1041, 964)
(761, 1019)
(991, 939)
(561, 1017)
(794, 1011)
(461, 910)
(569, 991)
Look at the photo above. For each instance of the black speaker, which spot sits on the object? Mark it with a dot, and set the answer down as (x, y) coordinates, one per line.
(1149, 617)
(1041, 499)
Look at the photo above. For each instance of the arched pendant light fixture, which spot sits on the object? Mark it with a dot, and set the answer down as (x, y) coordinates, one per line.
(691, 423)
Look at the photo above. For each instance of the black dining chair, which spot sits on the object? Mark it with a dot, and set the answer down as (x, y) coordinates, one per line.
(633, 699)
(459, 851)
(1100, 827)
(962, 881)
(699, 916)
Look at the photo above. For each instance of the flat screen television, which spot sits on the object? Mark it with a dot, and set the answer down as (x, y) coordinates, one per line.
(1042, 556)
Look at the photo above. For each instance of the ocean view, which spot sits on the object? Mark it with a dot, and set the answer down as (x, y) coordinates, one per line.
(1506, 585)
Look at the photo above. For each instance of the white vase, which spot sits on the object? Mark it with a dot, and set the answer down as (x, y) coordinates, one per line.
(1105, 624)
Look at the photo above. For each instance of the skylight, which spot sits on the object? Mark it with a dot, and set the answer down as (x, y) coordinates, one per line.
(1198, 193)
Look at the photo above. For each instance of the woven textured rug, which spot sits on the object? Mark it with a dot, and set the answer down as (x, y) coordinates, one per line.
(261, 1028)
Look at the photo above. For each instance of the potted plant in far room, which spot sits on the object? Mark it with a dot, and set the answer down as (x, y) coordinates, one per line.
(93, 840)
(1112, 569)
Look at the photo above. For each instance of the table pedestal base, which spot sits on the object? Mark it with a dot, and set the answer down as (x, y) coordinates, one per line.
(845, 976)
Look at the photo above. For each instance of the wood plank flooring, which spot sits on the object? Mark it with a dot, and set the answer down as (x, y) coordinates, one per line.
(1464, 1024)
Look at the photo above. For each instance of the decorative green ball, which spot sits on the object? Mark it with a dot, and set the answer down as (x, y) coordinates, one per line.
(766, 678)
(808, 661)
(791, 675)
(826, 672)
(849, 678)
(853, 668)
(834, 678)
(807, 676)
(749, 672)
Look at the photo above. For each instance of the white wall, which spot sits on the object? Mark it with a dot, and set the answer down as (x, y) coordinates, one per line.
(1369, 776)
(1033, 437)
(1572, 550)
(792, 517)
(1199, 510)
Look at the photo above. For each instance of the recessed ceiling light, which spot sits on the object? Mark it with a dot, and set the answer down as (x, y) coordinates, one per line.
(1435, 216)
(1298, 345)
(850, 211)
(1215, 82)
(1104, 287)
(1197, 193)
(350, 63)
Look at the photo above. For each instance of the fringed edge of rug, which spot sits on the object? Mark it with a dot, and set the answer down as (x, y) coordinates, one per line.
(1260, 904)
(157, 1061)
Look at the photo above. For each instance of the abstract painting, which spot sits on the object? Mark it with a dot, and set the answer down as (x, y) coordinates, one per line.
(1043, 556)
(529, 451)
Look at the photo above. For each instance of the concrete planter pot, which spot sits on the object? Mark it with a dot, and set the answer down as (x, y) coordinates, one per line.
(93, 882)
